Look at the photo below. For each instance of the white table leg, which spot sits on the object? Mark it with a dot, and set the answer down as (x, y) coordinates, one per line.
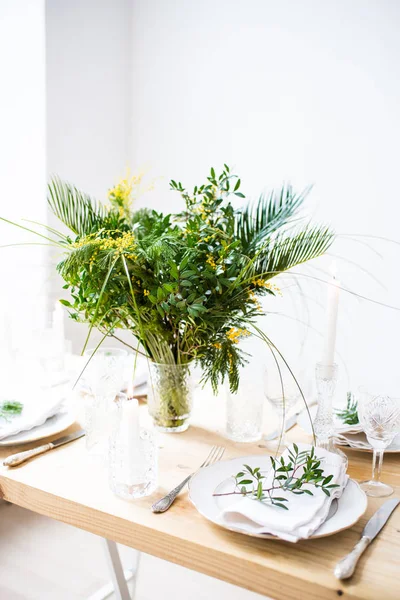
(119, 577)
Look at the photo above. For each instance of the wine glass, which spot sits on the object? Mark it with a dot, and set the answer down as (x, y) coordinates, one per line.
(282, 400)
(379, 416)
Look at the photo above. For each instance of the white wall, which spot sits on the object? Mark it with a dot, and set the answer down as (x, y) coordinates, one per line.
(305, 91)
(23, 271)
(300, 90)
(88, 100)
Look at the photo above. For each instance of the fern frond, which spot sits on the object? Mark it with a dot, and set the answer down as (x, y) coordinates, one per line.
(288, 251)
(78, 211)
(258, 220)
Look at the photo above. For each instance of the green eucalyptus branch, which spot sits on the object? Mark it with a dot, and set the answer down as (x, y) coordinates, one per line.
(297, 475)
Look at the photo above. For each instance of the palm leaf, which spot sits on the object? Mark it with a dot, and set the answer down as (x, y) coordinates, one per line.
(288, 251)
(269, 213)
(78, 211)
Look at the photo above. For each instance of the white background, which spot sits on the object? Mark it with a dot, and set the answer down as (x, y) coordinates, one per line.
(295, 90)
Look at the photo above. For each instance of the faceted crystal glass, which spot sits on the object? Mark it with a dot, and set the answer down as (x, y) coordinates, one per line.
(102, 380)
(379, 416)
(133, 458)
(170, 396)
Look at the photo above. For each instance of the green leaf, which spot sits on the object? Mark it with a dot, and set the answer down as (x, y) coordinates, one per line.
(280, 505)
(174, 272)
(65, 303)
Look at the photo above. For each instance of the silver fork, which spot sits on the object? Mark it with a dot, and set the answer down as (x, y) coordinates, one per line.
(216, 453)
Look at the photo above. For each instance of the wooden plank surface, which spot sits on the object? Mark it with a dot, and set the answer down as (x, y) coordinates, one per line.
(70, 485)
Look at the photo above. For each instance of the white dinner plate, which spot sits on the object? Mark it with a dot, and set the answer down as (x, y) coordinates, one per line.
(59, 422)
(304, 421)
(351, 505)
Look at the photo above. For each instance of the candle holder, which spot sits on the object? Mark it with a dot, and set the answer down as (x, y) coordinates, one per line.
(133, 455)
(326, 377)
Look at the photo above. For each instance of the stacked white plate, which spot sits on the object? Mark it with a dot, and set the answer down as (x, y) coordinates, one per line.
(45, 412)
(346, 435)
(347, 510)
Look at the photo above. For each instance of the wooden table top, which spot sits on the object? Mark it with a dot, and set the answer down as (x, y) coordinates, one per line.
(70, 485)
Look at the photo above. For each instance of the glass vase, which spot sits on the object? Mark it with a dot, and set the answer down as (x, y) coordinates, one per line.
(170, 396)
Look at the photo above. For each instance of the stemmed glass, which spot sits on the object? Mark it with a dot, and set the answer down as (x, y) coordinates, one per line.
(380, 418)
(281, 400)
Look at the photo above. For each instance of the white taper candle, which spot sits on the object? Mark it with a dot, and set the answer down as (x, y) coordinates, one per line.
(328, 356)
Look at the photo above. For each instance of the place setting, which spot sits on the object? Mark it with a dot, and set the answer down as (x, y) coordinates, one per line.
(33, 416)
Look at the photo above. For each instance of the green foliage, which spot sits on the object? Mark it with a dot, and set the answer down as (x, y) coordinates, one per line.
(10, 408)
(297, 475)
(349, 415)
(186, 285)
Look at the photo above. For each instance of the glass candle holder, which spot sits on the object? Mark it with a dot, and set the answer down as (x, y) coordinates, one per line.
(326, 378)
(133, 454)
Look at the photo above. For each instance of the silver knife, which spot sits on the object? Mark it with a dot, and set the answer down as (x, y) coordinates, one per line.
(20, 457)
(345, 568)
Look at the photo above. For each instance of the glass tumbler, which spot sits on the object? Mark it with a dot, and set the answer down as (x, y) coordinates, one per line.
(380, 418)
(102, 381)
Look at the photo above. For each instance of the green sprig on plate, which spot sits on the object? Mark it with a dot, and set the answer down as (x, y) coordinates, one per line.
(10, 408)
(349, 415)
(297, 475)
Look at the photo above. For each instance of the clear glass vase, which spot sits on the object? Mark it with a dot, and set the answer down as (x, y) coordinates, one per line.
(170, 396)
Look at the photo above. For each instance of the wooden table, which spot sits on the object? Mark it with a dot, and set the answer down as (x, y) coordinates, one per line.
(70, 485)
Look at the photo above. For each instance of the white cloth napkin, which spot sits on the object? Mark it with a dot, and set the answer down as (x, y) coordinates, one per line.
(306, 513)
(38, 406)
(354, 440)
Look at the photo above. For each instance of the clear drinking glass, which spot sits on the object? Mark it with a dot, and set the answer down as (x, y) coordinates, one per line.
(102, 381)
(245, 408)
(170, 396)
(133, 455)
(380, 418)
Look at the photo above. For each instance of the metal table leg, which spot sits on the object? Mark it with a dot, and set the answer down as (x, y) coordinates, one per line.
(119, 577)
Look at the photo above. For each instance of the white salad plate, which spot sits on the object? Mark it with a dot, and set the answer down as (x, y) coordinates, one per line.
(351, 505)
(349, 434)
(55, 424)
